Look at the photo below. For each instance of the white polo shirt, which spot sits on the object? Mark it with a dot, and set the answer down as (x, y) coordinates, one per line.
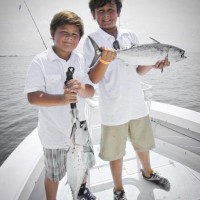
(120, 95)
(47, 73)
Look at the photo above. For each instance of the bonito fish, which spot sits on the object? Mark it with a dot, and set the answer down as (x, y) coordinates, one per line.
(80, 156)
(145, 54)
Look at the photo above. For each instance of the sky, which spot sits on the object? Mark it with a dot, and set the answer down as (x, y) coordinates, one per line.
(175, 22)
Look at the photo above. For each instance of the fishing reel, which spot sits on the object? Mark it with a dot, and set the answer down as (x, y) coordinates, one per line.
(69, 74)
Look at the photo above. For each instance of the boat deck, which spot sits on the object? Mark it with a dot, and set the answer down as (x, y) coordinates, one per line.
(185, 182)
(179, 165)
(176, 162)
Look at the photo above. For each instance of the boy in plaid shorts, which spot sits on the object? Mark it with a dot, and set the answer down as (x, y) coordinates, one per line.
(45, 88)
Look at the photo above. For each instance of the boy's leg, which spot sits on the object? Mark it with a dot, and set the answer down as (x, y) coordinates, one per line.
(116, 169)
(141, 136)
(149, 174)
(51, 188)
(145, 161)
(55, 169)
(113, 143)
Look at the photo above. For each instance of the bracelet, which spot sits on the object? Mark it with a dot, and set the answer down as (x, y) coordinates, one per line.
(103, 61)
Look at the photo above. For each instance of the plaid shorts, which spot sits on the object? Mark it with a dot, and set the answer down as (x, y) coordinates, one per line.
(55, 161)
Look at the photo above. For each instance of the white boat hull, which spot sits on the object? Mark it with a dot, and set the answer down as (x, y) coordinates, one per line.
(22, 174)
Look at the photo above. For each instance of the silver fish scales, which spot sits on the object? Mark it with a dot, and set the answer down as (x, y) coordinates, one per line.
(145, 54)
(80, 156)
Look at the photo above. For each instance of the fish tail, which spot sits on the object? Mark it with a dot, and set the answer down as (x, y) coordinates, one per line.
(97, 51)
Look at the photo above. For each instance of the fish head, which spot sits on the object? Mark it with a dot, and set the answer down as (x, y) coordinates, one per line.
(176, 54)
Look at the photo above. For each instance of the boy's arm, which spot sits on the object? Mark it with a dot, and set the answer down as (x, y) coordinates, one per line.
(141, 69)
(86, 90)
(98, 71)
(43, 99)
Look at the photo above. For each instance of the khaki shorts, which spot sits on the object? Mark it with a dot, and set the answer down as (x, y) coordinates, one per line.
(113, 138)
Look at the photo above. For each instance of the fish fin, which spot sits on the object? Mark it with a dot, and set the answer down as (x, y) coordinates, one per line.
(156, 41)
(96, 51)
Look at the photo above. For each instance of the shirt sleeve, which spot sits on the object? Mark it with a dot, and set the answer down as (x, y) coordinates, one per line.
(35, 80)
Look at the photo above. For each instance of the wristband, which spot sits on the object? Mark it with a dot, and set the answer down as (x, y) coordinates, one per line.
(103, 61)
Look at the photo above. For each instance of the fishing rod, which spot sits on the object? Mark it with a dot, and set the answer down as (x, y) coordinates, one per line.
(158, 122)
(35, 24)
(69, 76)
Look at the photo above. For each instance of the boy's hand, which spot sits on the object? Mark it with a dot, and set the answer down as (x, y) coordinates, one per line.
(69, 96)
(108, 54)
(74, 85)
(162, 64)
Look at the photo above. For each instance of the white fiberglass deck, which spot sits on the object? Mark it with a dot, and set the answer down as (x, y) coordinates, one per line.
(172, 160)
(180, 166)
(22, 175)
(185, 182)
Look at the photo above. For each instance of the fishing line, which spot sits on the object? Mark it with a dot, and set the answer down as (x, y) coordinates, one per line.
(35, 24)
(158, 123)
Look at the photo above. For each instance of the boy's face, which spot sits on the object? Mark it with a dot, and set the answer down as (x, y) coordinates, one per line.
(66, 38)
(106, 16)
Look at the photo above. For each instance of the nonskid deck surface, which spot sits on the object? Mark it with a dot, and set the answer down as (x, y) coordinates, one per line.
(185, 182)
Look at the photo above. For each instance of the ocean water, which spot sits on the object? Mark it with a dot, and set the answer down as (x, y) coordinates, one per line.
(169, 21)
(177, 85)
(17, 117)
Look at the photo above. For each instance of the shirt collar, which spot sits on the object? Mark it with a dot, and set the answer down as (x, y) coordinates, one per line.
(104, 34)
(53, 56)
(108, 36)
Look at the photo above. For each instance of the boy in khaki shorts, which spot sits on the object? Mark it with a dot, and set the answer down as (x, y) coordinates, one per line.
(123, 110)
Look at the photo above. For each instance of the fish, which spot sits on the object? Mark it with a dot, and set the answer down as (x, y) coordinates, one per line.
(80, 156)
(144, 54)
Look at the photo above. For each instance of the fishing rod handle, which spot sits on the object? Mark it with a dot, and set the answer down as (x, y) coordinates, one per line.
(69, 76)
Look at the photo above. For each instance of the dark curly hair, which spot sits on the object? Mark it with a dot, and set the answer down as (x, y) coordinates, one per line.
(93, 4)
